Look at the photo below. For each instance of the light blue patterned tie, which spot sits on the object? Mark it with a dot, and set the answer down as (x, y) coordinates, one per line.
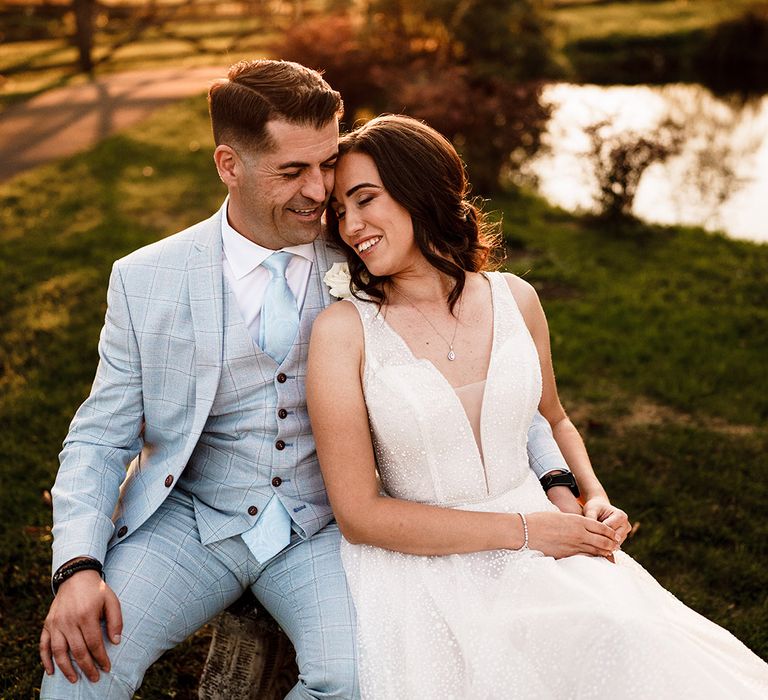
(277, 331)
(279, 313)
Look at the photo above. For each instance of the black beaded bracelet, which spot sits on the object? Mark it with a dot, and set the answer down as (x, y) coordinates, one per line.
(69, 570)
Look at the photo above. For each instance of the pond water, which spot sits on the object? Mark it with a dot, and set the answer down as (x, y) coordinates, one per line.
(718, 179)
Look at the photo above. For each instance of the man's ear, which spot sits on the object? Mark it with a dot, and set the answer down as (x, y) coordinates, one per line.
(227, 163)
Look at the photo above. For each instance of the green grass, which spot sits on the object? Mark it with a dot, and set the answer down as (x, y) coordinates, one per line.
(655, 42)
(658, 339)
(182, 34)
(60, 229)
(652, 18)
(676, 315)
(28, 68)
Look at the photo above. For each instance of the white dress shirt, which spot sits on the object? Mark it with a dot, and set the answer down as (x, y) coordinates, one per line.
(248, 279)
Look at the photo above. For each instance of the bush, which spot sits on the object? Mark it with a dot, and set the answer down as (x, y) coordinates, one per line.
(334, 45)
(436, 64)
(620, 159)
(494, 123)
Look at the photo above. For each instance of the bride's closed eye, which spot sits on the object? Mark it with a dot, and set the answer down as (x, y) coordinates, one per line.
(340, 212)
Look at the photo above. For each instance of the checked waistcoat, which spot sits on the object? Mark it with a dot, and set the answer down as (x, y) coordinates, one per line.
(257, 441)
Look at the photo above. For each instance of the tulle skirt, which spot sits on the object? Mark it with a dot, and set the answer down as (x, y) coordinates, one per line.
(503, 625)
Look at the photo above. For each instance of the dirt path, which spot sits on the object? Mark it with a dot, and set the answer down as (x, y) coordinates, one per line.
(68, 120)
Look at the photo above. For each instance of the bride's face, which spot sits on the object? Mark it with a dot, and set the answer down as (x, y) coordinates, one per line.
(371, 222)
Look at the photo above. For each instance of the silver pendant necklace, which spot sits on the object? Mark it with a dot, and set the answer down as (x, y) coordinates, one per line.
(451, 352)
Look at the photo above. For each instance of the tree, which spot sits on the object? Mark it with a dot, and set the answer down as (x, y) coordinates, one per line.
(620, 159)
(85, 11)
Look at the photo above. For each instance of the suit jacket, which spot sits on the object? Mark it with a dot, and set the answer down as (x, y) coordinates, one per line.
(160, 356)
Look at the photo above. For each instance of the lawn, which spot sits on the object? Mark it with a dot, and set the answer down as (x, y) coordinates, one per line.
(30, 67)
(597, 19)
(659, 338)
(660, 41)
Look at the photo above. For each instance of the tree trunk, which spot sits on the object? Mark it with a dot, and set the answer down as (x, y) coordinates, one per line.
(85, 11)
(250, 657)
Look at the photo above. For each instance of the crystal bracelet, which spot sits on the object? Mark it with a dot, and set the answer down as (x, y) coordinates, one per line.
(525, 534)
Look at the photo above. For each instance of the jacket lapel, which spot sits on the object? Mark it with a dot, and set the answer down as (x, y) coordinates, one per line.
(204, 273)
(326, 253)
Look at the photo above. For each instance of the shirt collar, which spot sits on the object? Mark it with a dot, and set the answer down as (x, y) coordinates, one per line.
(244, 256)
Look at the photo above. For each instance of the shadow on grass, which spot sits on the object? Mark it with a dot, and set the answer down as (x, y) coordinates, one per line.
(20, 96)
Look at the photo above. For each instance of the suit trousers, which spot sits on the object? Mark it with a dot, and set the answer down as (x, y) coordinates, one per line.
(169, 584)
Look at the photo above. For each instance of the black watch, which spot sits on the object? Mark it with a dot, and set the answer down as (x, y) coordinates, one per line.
(69, 570)
(564, 479)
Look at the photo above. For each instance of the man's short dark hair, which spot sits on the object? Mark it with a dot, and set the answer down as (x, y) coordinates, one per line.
(255, 92)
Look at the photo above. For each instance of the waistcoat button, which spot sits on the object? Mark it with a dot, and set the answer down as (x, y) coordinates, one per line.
(253, 510)
(122, 531)
(282, 413)
(277, 481)
(169, 480)
(280, 445)
(282, 378)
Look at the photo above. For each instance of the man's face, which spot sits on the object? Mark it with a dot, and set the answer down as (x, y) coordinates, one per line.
(278, 197)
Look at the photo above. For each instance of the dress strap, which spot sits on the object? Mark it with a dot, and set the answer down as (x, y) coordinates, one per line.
(507, 318)
(382, 345)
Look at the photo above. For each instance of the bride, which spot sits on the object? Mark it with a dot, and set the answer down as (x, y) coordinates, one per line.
(467, 581)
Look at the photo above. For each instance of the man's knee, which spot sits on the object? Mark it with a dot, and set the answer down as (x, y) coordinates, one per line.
(335, 678)
(110, 686)
(328, 662)
(143, 639)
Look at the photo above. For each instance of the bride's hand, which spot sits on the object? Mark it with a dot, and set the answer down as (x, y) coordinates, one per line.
(615, 518)
(565, 534)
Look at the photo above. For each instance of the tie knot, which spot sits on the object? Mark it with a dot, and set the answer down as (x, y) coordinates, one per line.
(277, 263)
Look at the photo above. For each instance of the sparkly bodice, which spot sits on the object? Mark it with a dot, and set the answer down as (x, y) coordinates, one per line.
(424, 443)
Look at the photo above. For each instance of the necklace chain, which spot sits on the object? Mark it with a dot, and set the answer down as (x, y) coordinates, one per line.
(451, 353)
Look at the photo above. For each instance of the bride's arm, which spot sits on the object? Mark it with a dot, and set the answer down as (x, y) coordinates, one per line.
(342, 434)
(596, 502)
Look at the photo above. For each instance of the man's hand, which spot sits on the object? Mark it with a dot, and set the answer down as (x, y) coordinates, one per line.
(601, 510)
(564, 534)
(73, 626)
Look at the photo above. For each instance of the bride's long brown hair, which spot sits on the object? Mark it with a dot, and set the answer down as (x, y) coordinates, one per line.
(422, 171)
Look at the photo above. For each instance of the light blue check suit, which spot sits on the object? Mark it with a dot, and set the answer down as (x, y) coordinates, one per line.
(181, 384)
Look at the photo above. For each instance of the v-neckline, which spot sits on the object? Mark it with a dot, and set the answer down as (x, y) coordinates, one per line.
(427, 362)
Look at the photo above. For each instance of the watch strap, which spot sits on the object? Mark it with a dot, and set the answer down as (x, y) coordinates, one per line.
(565, 479)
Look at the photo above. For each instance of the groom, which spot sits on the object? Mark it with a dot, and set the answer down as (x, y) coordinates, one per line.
(200, 389)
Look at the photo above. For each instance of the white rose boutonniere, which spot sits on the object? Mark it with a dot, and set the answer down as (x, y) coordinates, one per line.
(338, 280)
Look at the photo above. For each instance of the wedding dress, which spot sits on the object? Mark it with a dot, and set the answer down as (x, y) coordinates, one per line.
(504, 624)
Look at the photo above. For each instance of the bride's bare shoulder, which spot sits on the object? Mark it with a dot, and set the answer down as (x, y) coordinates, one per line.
(339, 322)
(524, 293)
